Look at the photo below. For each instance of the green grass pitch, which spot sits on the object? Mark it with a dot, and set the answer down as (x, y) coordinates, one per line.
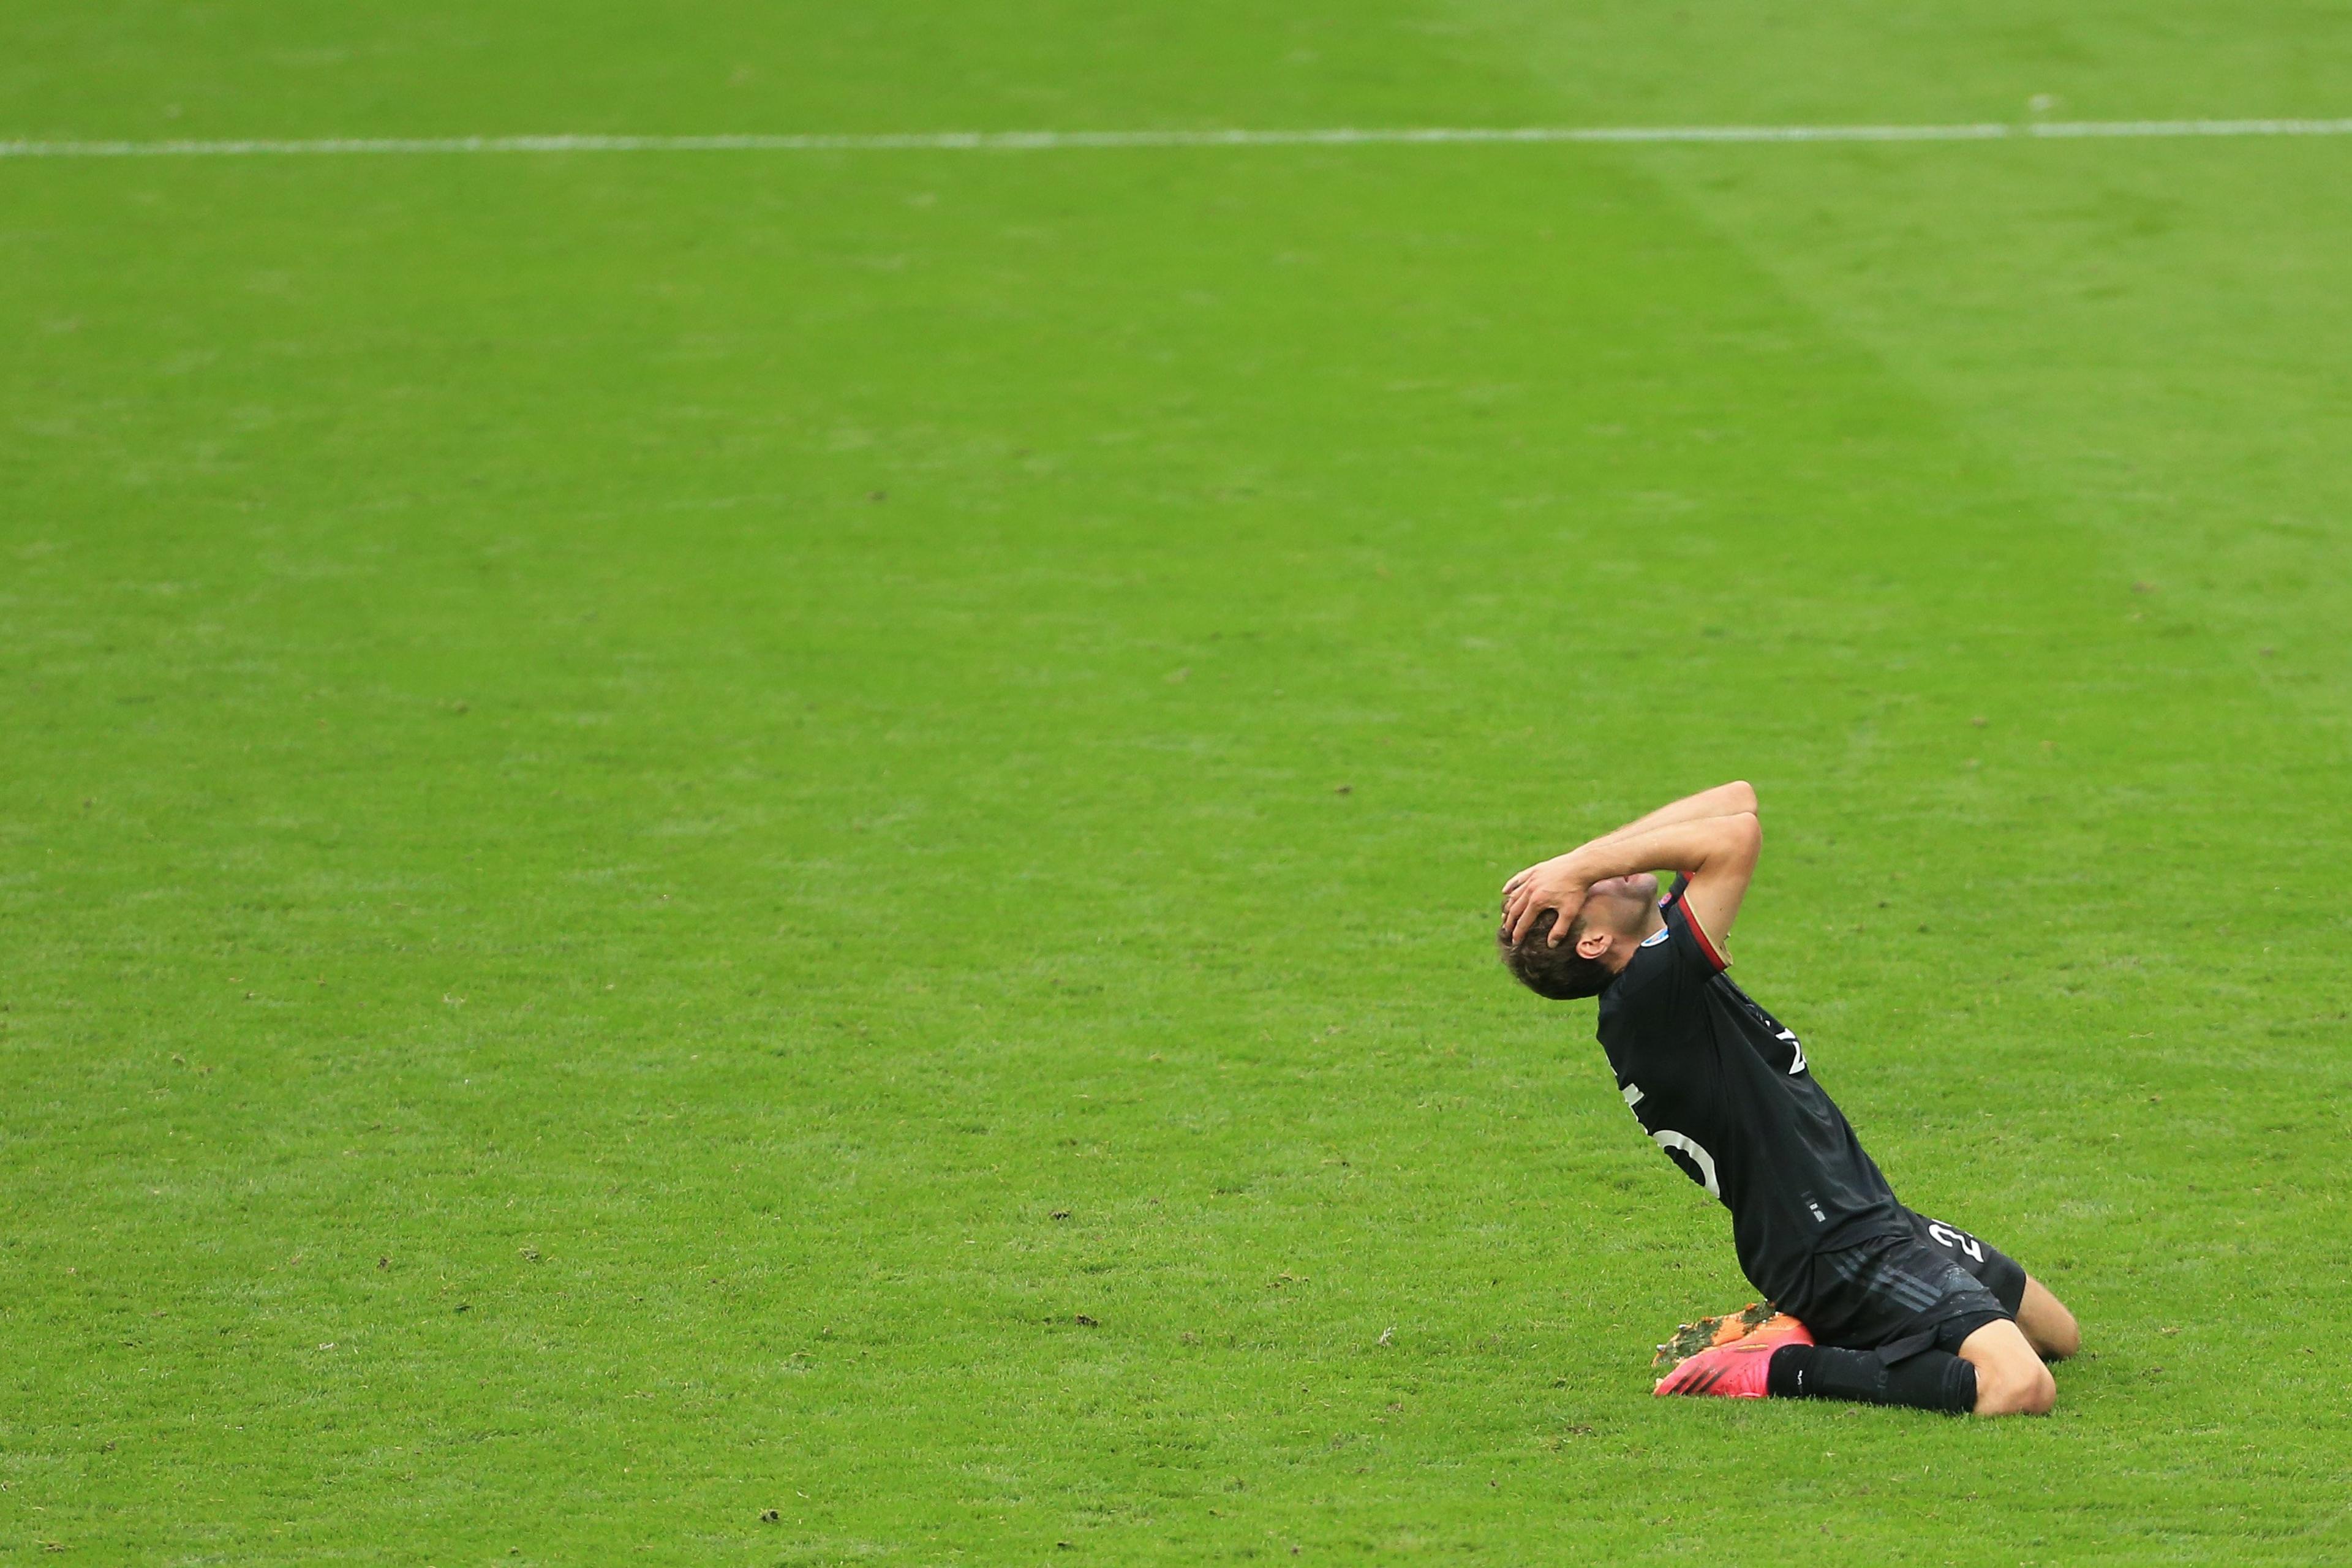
(788, 857)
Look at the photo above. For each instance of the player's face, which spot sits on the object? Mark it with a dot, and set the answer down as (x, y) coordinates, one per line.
(1622, 903)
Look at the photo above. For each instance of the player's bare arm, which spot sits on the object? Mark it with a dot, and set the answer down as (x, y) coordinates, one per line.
(1723, 800)
(1712, 838)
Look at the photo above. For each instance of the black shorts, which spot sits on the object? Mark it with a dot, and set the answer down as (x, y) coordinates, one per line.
(1932, 1288)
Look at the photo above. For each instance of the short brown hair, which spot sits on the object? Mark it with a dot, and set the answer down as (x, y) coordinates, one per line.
(1559, 972)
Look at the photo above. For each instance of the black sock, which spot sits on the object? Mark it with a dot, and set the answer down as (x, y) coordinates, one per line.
(1932, 1380)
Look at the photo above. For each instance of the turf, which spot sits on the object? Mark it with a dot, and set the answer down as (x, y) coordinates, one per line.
(687, 835)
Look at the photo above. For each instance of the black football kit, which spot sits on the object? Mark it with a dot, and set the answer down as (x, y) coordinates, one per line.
(1725, 1091)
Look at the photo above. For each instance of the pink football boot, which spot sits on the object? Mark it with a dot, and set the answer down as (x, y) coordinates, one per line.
(1736, 1370)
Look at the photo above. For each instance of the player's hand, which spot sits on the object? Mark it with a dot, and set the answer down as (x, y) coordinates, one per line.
(1554, 885)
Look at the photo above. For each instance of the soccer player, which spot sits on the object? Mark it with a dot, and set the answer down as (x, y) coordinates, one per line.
(1876, 1303)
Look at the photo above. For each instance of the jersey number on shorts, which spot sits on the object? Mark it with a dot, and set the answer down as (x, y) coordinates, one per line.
(1958, 1239)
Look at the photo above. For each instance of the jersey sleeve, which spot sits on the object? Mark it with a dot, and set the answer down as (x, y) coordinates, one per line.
(1687, 938)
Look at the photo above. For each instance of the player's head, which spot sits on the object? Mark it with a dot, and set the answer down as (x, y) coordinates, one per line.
(1616, 915)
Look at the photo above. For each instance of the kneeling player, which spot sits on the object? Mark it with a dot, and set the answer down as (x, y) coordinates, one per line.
(1888, 1307)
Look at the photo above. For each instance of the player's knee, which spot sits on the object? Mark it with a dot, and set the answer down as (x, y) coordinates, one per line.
(2016, 1390)
(2040, 1394)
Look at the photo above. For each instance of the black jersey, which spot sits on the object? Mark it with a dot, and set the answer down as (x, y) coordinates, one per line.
(1723, 1089)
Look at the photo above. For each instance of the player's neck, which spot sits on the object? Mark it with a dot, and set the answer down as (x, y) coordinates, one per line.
(1621, 950)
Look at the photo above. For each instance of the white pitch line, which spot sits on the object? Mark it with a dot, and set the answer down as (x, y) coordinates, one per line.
(1031, 140)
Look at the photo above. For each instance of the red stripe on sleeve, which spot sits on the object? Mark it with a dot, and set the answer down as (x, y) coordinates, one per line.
(1705, 942)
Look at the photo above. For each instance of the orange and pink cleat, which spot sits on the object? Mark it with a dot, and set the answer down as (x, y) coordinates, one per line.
(1730, 1356)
